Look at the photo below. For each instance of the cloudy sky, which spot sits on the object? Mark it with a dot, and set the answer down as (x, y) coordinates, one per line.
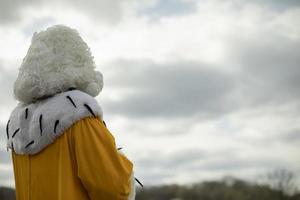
(194, 89)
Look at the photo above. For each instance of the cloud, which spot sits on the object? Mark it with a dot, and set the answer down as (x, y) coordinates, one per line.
(179, 89)
(101, 10)
(278, 5)
(5, 156)
(269, 69)
(10, 10)
(291, 137)
(7, 78)
(188, 165)
(160, 8)
(106, 11)
(266, 72)
(6, 175)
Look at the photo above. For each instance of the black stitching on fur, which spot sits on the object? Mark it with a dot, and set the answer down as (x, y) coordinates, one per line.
(26, 113)
(55, 125)
(41, 125)
(30, 143)
(12, 146)
(138, 182)
(104, 123)
(15, 132)
(70, 99)
(72, 88)
(89, 108)
(7, 134)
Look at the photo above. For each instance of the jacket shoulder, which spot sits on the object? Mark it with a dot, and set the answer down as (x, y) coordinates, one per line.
(32, 127)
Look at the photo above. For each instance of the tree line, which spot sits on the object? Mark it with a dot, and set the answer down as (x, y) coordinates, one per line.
(277, 185)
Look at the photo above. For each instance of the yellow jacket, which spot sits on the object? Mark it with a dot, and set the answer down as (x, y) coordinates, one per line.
(81, 163)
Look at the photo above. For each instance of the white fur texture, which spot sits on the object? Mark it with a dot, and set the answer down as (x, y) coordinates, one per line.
(57, 59)
(58, 107)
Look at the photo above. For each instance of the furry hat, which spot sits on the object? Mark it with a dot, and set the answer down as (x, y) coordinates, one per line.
(57, 60)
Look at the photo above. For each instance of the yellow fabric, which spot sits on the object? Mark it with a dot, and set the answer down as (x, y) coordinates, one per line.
(83, 163)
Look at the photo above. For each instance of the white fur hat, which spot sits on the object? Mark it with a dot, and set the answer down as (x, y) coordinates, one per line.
(57, 59)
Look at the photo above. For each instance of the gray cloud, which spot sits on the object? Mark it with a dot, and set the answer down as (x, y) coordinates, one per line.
(6, 176)
(36, 25)
(111, 11)
(5, 156)
(197, 158)
(194, 162)
(7, 78)
(268, 73)
(269, 69)
(101, 10)
(233, 164)
(291, 137)
(278, 5)
(168, 8)
(179, 159)
(10, 10)
(169, 90)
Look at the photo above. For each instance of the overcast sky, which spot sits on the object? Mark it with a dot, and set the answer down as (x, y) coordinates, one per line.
(193, 89)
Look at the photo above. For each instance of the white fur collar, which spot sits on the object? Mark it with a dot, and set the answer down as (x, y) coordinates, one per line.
(31, 127)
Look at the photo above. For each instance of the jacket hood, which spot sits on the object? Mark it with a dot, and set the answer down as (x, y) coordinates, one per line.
(57, 59)
(32, 127)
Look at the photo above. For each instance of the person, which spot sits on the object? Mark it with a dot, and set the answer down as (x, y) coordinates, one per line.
(60, 146)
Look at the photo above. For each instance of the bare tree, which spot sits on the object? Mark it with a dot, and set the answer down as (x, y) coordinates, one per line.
(283, 181)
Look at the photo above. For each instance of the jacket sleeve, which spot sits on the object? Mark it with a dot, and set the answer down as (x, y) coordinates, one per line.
(104, 172)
